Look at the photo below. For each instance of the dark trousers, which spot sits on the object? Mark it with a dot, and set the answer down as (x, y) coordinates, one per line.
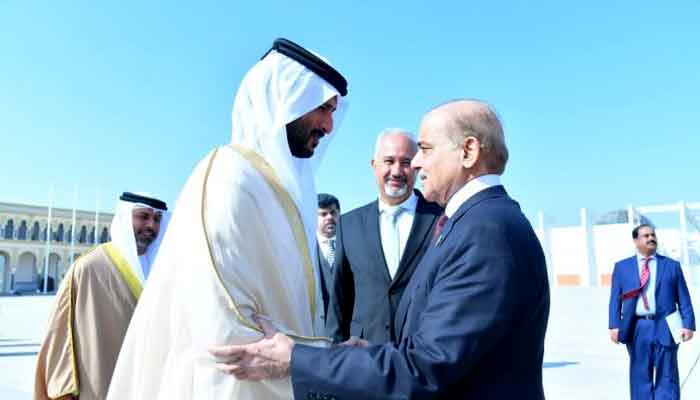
(653, 367)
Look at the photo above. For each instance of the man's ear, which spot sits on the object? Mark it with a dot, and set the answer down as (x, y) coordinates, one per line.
(471, 151)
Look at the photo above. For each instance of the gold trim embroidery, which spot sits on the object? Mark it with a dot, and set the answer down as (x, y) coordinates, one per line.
(132, 281)
(295, 222)
(71, 302)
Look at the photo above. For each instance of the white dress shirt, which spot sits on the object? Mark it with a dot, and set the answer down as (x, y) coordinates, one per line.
(472, 187)
(404, 223)
(650, 288)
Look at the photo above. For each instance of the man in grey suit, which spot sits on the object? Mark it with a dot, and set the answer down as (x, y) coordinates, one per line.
(329, 251)
(382, 244)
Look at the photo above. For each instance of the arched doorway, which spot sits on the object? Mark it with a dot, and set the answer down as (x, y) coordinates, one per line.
(104, 237)
(35, 231)
(25, 274)
(4, 272)
(58, 236)
(9, 229)
(53, 273)
(22, 231)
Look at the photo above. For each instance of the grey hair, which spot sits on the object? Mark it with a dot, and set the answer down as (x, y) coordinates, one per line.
(482, 123)
(393, 131)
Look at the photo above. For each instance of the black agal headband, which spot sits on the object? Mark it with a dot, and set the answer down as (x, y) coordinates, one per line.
(136, 198)
(312, 62)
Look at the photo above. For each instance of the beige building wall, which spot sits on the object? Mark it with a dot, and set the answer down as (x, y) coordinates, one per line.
(23, 229)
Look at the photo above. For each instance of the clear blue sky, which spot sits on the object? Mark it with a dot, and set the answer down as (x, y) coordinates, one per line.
(600, 101)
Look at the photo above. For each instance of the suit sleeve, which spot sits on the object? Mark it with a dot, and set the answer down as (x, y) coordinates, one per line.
(615, 306)
(470, 307)
(684, 303)
(341, 302)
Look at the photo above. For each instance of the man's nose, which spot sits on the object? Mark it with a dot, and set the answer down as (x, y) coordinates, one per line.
(327, 123)
(416, 161)
(397, 170)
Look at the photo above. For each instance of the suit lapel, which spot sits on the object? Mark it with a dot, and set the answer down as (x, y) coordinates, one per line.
(492, 192)
(631, 274)
(373, 239)
(428, 258)
(660, 270)
(634, 272)
(339, 252)
(422, 224)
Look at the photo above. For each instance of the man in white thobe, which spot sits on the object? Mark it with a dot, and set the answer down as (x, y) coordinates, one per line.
(242, 240)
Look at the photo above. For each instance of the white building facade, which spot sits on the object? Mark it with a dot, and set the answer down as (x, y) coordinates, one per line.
(23, 242)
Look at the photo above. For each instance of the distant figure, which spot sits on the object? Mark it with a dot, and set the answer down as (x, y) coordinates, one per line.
(383, 242)
(50, 283)
(95, 303)
(645, 289)
(472, 321)
(330, 253)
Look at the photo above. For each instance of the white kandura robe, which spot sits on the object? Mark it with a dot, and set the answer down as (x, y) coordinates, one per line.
(236, 246)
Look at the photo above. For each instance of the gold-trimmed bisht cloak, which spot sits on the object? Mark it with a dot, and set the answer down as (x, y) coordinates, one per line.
(93, 307)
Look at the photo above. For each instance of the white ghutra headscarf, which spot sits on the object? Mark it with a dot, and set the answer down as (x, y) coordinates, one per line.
(122, 232)
(275, 92)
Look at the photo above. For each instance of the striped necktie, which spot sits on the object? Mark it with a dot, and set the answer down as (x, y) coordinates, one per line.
(331, 252)
(643, 282)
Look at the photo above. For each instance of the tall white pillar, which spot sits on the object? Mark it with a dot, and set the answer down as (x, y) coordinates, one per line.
(590, 263)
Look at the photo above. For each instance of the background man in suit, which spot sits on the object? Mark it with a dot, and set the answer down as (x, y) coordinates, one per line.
(329, 250)
(473, 319)
(383, 242)
(658, 281)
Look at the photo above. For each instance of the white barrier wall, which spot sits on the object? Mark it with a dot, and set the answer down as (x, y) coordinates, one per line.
(585, 255)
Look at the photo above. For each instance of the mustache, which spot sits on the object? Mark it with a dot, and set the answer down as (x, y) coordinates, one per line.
(317, 133)
(149, 232)
(651, 241)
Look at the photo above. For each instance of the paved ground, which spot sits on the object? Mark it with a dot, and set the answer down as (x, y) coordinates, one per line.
(580, 361)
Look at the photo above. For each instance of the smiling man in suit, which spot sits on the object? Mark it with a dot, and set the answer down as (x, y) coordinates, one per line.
(383, 241)
(645, 289)
(472, 321)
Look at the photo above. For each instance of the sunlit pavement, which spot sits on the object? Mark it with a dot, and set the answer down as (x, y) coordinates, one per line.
(580, 361)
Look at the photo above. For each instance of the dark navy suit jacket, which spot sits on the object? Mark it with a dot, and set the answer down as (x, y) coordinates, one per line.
(364, 297)
(471, 324)
(327, 273)
(671, 293)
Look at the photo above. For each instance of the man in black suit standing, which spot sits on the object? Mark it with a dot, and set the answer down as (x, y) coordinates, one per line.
(329, 251)
(383, 242)
(472, 322)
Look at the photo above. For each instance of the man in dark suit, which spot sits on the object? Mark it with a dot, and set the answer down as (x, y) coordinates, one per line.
(472, 322)
(646, 288)
(329, 250)
(383, 242)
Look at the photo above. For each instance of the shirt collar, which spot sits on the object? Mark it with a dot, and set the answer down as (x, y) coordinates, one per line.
(323, 239)
(408, 205)
(641, 257)
(471, 188)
